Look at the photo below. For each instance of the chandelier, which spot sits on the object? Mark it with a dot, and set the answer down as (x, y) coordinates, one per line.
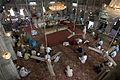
(57, 6)
(113, 8)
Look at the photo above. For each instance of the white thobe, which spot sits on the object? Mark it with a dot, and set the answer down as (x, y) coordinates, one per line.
(24, 72)
(69, 72)
(57, 59)
(98, 47)
(79, 41)
(83, 58)
(33, 52)
(34, 32)
(19, 54)
(48, 49)
(100, 42)
(66, 44)
(47, 56)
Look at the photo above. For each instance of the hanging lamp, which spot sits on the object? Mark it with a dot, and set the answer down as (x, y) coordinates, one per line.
(57, 6)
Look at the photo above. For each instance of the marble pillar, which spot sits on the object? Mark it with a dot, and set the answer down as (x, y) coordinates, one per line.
(10, 48)
(109, 26)
(8, 70)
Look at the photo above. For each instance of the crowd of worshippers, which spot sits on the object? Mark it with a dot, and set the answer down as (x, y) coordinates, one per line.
(78, 42)
(25, 51)
(111, 54)
(83, 58)
(26, 47)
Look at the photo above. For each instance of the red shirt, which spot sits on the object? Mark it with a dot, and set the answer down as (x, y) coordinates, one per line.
(74, 42)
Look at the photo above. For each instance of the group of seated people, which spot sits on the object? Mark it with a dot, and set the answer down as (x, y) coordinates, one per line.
(83, 58)
(111, 54)
(27, 52)
(77, 42)
(26, 49)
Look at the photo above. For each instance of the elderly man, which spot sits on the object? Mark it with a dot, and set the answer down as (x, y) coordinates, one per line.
(83, 58)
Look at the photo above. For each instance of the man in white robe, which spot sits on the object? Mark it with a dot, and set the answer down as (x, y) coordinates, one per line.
(33, 52)
(78, 41)
(69, 71)
(57, 59)
(84, 32)
(19, 54)
(24, 72)
(83, 58)
(66, 44)
(48, 49)
(42, 49)
(47, 56)
(100, 42)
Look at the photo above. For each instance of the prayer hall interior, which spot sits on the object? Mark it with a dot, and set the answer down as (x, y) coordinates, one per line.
(59, 39)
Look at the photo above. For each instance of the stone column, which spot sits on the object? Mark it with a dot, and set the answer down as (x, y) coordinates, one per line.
(8, 70)
(96, 23)
(109, 26)
(10, 48)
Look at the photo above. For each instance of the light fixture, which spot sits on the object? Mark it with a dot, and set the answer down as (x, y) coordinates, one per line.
(57, 6)
(52, 2)
(113, 8)
(6, 55)
(32, 3)
(8, 34)
(74, 4)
